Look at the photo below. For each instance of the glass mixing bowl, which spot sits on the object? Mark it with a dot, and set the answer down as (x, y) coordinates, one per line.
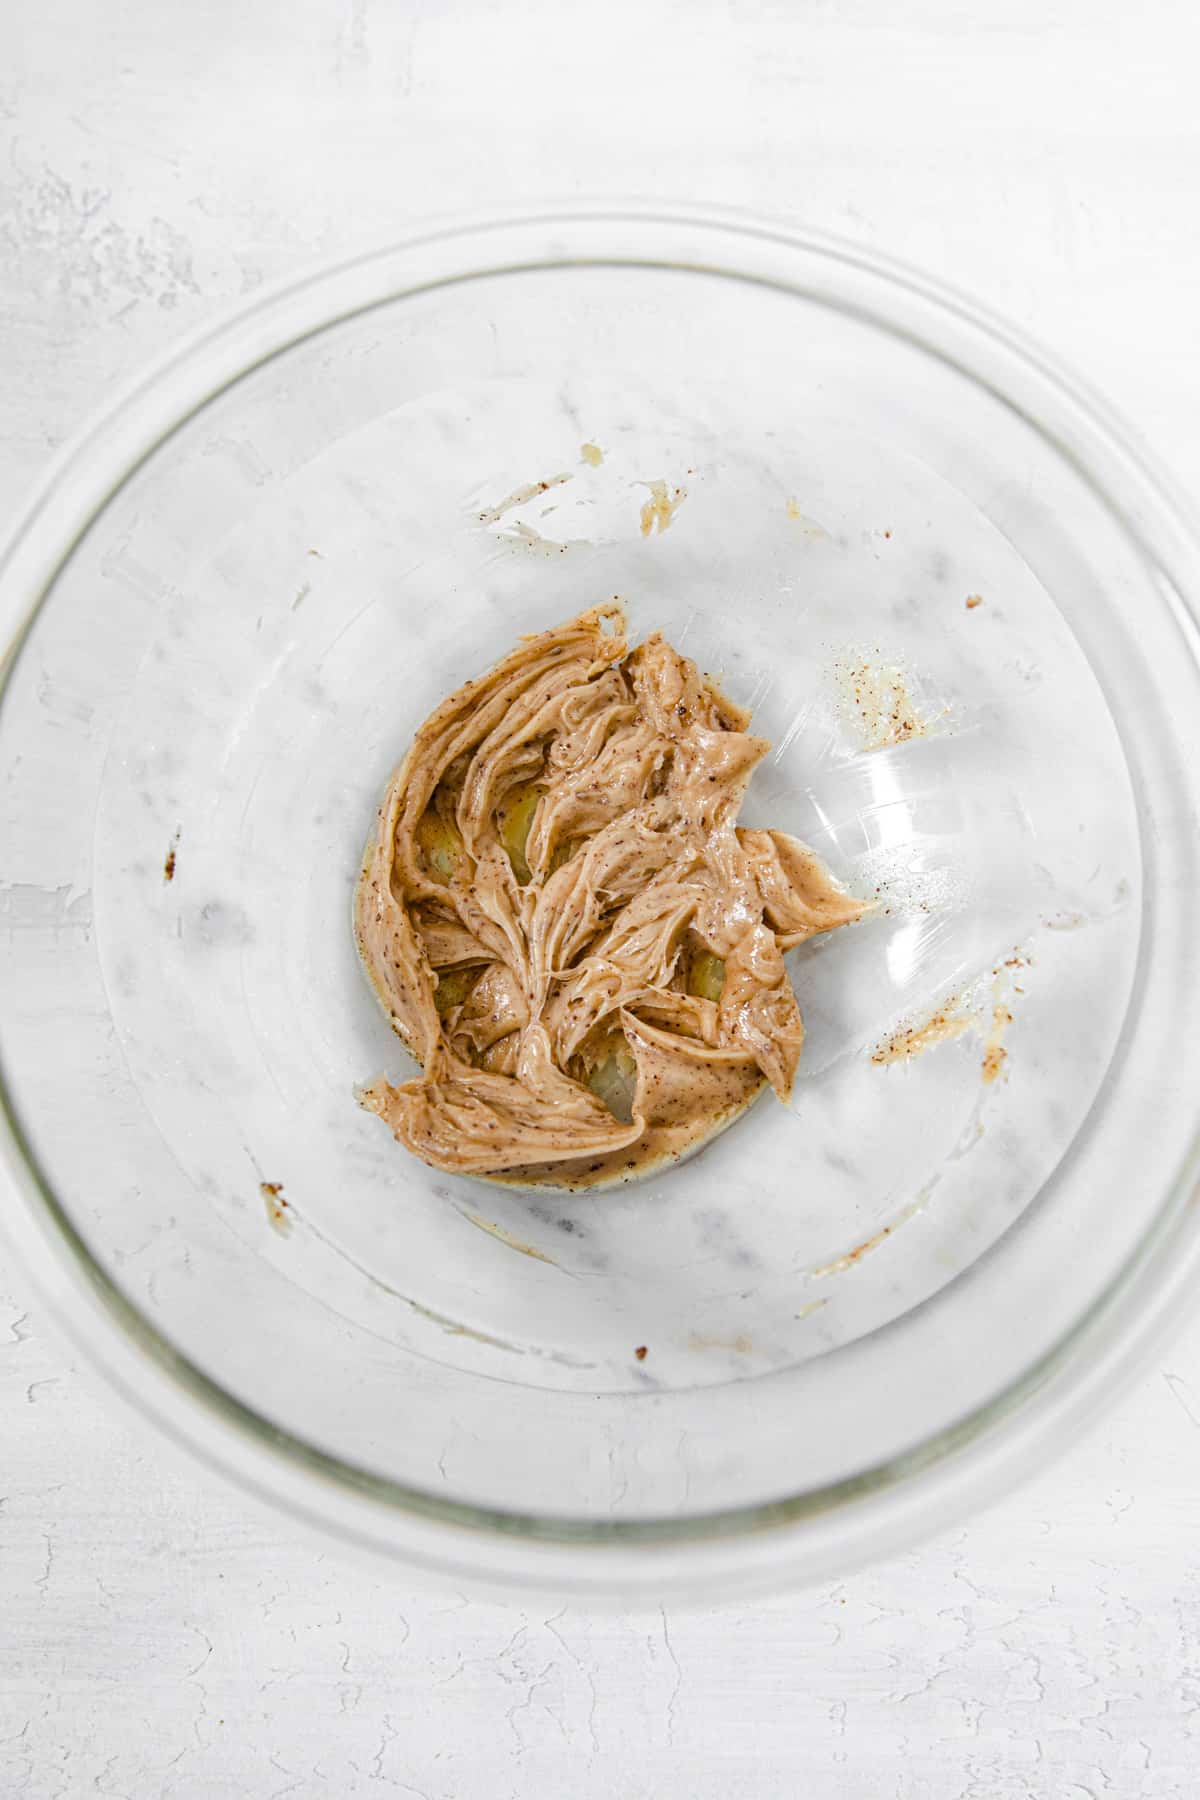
(962, 609)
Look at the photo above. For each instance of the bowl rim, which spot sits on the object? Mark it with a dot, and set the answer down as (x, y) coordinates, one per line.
(755, 1547)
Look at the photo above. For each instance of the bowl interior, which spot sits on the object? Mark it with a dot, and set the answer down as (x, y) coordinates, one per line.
(203, 718)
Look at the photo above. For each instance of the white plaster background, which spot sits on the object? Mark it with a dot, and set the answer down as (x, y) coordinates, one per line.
(161, 158)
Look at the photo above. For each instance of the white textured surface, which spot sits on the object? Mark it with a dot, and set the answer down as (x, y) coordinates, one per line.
(155, 1636)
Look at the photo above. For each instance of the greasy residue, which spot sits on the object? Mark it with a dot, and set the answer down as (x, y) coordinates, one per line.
(810, 527)
(1072, 921)
(276, 1205)
(994, 1053)
(506, 1237)
(989, 1013)
(950, 1020)
(742, 1343)
(520, 497)
(812, 1307)
(875, 699)
(661, 507)
(455, 1328)
(868, 1244)
(527, 538)
(592, 454)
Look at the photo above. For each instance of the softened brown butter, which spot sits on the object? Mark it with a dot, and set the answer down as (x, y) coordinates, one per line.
(566, 925)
